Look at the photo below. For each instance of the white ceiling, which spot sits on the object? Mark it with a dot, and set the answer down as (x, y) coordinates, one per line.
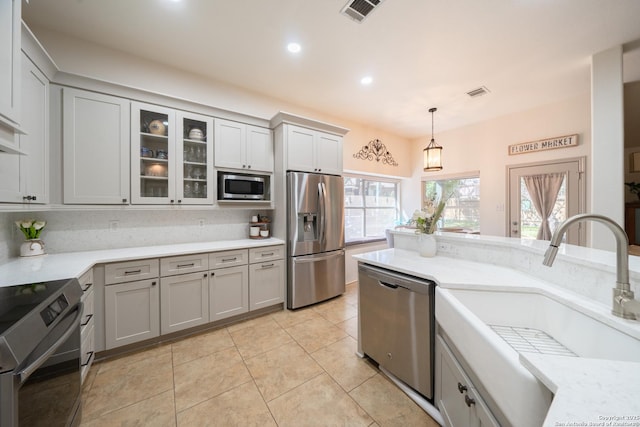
(420, 53)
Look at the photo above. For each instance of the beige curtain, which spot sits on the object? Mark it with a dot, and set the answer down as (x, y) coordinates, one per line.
(543, 190)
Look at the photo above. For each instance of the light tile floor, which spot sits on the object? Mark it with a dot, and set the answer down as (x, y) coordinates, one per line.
(282, 369)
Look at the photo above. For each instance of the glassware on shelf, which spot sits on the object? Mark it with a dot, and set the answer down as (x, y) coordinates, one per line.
(196, 190)
(187, 190)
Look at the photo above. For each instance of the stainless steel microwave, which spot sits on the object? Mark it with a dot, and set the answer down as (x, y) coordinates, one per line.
(242, 187)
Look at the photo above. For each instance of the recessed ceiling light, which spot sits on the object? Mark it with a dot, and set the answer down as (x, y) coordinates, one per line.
(366, 80)
(294, 47)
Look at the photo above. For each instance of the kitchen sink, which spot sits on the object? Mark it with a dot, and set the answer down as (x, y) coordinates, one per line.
(559, 329)
(489, 328)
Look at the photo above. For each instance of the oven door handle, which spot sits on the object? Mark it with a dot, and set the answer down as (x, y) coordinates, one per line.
(25, 373)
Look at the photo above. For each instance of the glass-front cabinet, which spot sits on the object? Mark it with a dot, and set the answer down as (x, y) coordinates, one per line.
(171, 156)
(194, 184)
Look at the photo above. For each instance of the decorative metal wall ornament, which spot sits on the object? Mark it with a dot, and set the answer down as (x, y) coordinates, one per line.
(376, 150)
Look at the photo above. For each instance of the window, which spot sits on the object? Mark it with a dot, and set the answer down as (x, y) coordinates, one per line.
(462, 210)
(371, 205)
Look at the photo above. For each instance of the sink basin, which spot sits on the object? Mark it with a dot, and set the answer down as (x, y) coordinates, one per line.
(578, 332)
(472, 320)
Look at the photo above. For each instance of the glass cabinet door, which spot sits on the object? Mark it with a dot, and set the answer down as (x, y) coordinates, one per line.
(152, 154)
(194, 183)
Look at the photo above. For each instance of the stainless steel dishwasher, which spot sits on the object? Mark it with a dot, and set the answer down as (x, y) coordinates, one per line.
(397, 324)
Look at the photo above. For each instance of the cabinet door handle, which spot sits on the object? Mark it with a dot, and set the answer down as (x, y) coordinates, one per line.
(87, 321)
(186, 265)
(90, 353)
(229, 259)
(462, 388)
(267, 265)
(132, 272)
(248, 167)
(213, 274)
(87, 287)
(179, 200)
(269, 254)
(469, 401)
(153, 283)
(172, 201)
(124, 200)
(205, 274)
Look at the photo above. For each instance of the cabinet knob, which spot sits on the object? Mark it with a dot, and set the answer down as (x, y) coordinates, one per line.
(124, 200)
(469, 401)
(213, 274)
(244, 166)
(205, 275)
(153, 283)
(172, 201)
(462, 388)
(179, 200)
(248, 166)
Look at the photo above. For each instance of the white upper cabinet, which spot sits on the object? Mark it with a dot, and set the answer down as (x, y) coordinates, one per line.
(310, 150)
(35, 121)
(24, 178)
(172, 156)
(10, 18)
(95, 148)
(242, 146)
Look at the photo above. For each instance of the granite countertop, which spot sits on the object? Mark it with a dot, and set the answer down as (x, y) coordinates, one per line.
(586, 390)
(73, 264)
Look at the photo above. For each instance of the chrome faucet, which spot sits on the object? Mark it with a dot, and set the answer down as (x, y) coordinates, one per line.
(624, 304)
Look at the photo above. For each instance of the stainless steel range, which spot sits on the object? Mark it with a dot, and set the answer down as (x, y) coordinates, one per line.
(40, 354)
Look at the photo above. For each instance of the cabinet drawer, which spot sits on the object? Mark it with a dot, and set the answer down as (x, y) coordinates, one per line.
(184, 264)
(228, 258)
(86, 281)
(87, 352)
(120, 272)
(266, 254)
(86, 321)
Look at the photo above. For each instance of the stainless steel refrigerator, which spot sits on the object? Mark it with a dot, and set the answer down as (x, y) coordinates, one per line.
(315, 238)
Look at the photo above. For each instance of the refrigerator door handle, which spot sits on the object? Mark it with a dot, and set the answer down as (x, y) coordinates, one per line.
(315, 257)
(322, 200)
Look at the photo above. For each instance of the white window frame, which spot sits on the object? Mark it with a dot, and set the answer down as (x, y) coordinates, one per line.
(447, 177)
(374, 178)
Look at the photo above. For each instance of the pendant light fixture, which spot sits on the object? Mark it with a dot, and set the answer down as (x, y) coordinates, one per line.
(433, 153)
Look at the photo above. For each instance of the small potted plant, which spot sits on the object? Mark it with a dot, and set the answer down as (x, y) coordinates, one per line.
(31, 230)
(426, 223)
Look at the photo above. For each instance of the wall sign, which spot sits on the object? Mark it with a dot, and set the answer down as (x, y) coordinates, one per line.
(544, 144)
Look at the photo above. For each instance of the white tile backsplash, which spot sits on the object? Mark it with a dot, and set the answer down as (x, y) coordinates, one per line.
(69, 231)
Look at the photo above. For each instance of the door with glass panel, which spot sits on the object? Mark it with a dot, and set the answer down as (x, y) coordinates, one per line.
(543, 195)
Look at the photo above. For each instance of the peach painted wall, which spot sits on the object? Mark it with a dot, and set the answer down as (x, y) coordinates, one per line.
(483, 147)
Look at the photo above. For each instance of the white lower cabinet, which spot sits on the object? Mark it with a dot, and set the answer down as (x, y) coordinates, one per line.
(457, 399)
(266, 276)
(147, 298)
(184, 301)
(132, 312)
(87, 322)
(265, 284)
(228, 292)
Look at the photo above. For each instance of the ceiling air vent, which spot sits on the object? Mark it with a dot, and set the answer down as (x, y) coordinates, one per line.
(359, 9)
(478, 92)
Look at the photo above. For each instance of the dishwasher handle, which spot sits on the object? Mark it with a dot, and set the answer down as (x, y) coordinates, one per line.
(388, 285)
(394, 280)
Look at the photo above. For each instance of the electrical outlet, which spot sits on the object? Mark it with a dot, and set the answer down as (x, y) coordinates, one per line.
(201, 222)
(114, 226)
